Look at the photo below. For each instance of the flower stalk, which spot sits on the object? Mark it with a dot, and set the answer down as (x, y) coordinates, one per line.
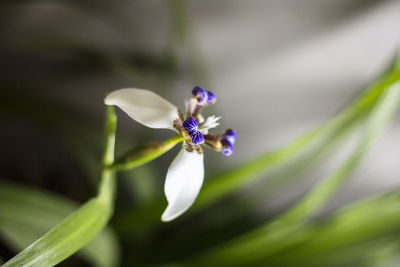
(145, 154)
(107, 182)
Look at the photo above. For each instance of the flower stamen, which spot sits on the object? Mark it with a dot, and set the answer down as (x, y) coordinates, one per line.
(213, 141)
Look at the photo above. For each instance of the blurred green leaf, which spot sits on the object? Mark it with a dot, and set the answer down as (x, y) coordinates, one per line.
(378, 119)
(27, 214)
(366, 225)
(81, 226)
(141, 184)
(66, 238)
(264, 241)
(397, 60)
(229, 181)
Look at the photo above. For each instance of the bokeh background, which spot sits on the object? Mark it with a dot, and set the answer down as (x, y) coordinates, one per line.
(278, 68)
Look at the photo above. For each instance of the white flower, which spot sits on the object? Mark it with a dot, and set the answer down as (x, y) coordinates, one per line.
(186, 173)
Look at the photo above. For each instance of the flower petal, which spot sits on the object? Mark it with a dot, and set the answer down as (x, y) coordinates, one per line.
(145, 107)
(184, 180)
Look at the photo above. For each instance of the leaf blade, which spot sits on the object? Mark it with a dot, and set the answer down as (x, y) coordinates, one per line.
(26, 214)
(84, 224)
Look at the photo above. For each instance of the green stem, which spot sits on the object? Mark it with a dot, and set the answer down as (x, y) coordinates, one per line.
(107, 183)
(145, 154)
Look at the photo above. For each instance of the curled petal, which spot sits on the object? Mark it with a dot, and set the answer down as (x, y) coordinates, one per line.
(145, 107)
(184, 180)
(190, 125)
(197, 137)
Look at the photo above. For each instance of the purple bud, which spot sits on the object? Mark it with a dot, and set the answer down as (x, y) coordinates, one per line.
(227, 147)
(211, 97)
(197, 137)
(201, 95)
(190, 125)
(230, 135)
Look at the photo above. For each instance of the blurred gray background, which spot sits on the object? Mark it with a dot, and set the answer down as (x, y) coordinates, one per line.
(278, 68)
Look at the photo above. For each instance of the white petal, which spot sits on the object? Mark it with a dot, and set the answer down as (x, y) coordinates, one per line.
(184, 180)
(145, 107)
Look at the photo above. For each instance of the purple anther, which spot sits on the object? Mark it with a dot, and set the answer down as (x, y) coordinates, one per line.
(211, 97)
(227, 147)
(230, 135)
(200, 94)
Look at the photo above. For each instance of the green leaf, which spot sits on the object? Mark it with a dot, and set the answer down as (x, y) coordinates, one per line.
(81, 226)
(26, 214)
(374, 220)
(264, 240)
(229, 181)
(378, 119)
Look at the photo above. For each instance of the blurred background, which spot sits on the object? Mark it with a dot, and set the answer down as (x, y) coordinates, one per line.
(278, 68)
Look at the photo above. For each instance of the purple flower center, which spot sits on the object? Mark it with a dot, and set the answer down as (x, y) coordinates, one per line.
(197, 137)
(190, 125)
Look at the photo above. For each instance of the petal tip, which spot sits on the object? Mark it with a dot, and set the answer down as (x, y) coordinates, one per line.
(108, 101)
(167, 216)
(183, 183)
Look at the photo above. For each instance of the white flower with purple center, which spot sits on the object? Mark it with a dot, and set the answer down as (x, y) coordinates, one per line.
(186, 173)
